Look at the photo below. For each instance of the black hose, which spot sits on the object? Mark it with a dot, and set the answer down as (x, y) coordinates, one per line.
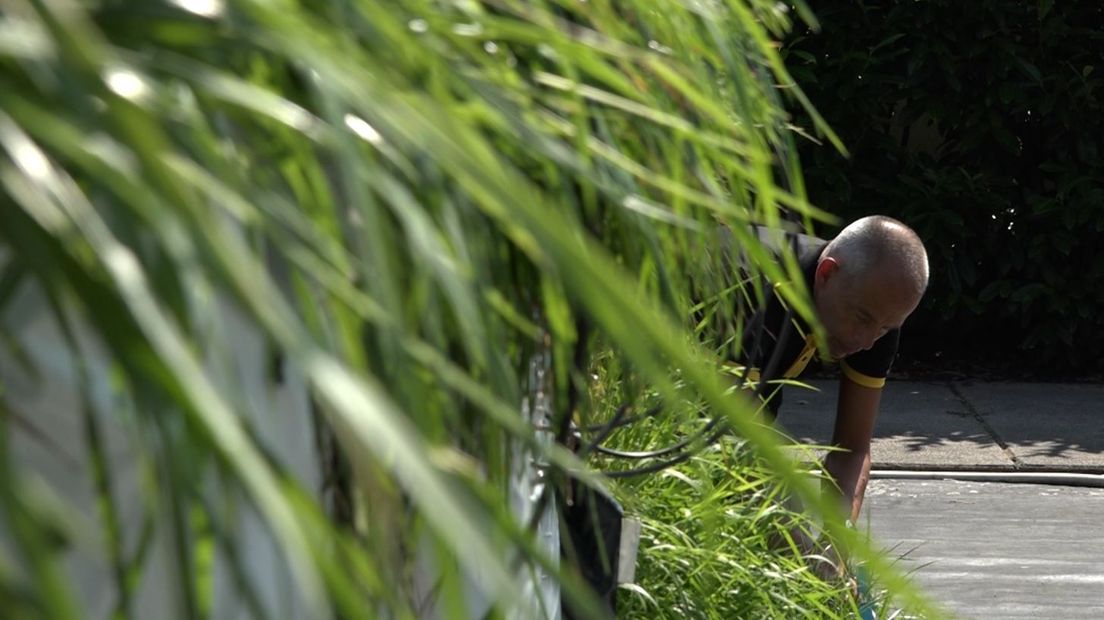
(651, 454)
(652, 468)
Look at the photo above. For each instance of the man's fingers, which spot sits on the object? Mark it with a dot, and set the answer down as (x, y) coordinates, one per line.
(827, 564)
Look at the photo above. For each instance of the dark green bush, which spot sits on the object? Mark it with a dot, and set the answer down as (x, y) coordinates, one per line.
(980, 124)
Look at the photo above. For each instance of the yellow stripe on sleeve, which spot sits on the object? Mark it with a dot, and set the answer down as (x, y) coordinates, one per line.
(861, 379)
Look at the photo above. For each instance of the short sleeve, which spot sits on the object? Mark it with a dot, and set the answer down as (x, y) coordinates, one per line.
(871, 367)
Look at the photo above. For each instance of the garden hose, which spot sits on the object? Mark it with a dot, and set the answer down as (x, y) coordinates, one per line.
(1018, 477)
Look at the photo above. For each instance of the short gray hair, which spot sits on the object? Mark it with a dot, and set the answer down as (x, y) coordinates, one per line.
(880, 241)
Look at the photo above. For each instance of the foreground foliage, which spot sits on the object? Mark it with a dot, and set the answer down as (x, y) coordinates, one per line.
(409, 202)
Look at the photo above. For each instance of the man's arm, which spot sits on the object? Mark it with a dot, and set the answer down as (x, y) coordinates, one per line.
(849, 467)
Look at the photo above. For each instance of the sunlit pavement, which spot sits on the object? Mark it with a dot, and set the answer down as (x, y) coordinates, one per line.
(984, 549)
(995, 550)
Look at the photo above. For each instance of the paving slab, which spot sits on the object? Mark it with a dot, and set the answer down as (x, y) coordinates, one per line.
(995, 551)
(920, 426)
(1045, 425)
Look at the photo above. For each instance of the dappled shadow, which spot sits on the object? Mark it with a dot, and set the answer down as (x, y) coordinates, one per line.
(1051, 424)
(915, 442)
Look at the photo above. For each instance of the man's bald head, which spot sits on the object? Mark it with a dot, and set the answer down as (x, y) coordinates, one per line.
(880, 243)
(869, 279)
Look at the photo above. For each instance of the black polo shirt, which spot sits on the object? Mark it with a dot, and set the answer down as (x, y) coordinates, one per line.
(777, 346)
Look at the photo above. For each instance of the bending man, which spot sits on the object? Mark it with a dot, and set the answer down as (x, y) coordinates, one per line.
(864, 284)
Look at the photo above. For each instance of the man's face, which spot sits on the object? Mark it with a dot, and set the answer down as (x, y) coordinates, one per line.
(856, 311)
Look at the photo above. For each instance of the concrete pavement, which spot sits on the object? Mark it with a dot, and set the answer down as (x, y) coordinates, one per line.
(983, 549)
(975, 426)
(993, 551)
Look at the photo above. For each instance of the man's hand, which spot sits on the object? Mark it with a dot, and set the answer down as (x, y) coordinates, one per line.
(829, 566)
(820, 555)
(826, 563)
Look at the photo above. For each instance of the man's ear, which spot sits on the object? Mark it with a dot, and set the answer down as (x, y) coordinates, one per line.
(826, 268)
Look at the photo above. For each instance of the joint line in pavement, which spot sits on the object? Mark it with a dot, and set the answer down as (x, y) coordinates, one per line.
(973, 412)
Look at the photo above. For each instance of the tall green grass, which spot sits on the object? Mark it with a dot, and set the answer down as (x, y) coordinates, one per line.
(407, 201)
(715, 525)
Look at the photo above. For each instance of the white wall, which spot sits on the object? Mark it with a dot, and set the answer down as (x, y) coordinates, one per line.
(49, 444)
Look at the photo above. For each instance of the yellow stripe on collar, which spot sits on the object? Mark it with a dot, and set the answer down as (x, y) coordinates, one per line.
(738, 371)
(803, 358)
